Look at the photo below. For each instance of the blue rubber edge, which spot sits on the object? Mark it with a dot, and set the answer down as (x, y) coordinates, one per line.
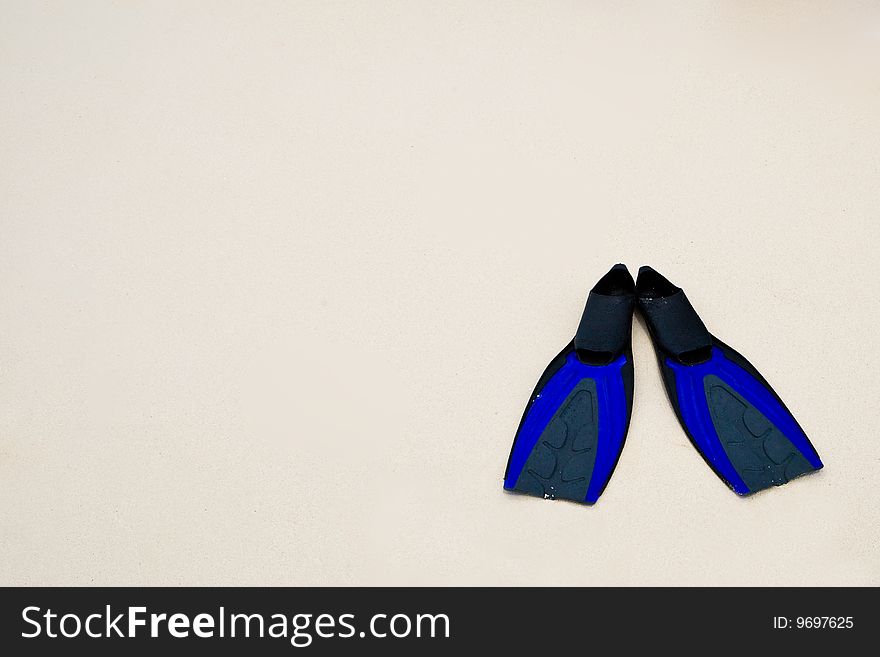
(694, 409)
(611, 404)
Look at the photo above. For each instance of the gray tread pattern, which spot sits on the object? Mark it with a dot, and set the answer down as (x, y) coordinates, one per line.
(561, 463)
(758, 450)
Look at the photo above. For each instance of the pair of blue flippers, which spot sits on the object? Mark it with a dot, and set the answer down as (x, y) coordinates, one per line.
(574, 426)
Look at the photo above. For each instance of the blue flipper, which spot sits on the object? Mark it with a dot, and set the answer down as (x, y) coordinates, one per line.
(731, 414)
(574, 426)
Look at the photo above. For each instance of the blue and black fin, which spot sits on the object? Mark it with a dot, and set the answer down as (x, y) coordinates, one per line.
(731, 414)
(574, 426)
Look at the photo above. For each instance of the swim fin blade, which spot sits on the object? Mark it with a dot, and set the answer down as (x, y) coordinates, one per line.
(574, 426)
(731, 414)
